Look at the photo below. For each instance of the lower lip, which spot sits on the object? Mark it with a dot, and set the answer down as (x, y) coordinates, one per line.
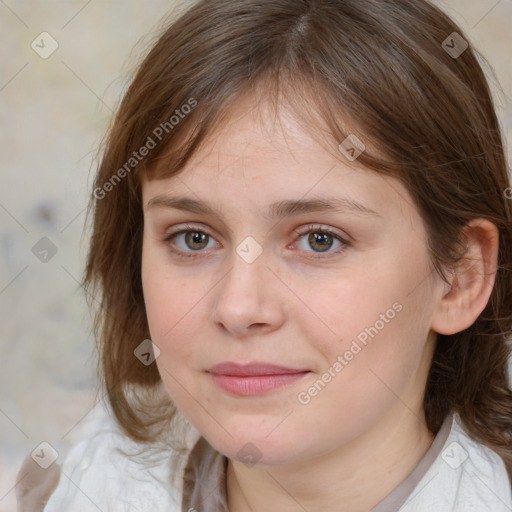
(256, 384)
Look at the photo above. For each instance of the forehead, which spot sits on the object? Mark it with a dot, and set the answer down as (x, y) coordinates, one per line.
(260, 154)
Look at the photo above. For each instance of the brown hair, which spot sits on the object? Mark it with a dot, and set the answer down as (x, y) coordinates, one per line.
(380, 62)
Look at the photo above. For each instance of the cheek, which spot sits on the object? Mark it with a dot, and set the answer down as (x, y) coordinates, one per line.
(371, 318)
(347, 306)
(169, 305)
(174, 328)
(172, 311)
(167, 295)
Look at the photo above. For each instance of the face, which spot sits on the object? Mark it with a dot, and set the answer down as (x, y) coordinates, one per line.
(342, 297)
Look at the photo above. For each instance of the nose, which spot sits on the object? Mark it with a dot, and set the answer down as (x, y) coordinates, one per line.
(249, 298)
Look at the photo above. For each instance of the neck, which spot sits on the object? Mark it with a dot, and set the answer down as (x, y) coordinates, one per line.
(358, 475)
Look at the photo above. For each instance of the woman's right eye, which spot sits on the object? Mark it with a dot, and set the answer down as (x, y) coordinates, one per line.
(192, 241)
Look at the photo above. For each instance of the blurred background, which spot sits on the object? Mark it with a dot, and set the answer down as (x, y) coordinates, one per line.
(63, 69)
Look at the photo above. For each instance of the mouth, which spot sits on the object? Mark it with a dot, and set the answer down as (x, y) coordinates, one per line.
(255, 378)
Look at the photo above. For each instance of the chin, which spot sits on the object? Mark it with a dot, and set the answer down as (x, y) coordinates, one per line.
(256, 447)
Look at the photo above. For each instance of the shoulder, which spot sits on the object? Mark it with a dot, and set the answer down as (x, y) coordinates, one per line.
(105, 470)
(465, 476)
(483, 472)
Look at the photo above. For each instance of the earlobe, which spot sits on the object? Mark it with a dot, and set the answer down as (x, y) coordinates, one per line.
(472, 280)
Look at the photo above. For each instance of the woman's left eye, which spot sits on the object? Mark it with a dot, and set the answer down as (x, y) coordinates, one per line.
(321, 239)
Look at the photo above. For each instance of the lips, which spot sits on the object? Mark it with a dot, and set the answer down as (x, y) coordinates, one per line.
(253, 369)
(255, 378)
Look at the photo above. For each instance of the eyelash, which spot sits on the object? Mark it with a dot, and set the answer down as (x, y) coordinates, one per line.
(299, 232)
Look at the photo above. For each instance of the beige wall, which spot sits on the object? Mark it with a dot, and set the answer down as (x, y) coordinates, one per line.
(53, 113)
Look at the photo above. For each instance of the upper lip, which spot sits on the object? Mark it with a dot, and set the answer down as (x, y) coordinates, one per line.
(257, 368)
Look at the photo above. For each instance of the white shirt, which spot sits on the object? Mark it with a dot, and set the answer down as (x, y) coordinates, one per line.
(456, 474)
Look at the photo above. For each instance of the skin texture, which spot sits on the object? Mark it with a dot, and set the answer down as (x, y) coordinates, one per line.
(365, 431)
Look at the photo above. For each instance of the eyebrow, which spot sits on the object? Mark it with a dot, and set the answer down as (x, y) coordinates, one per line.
(277, 210)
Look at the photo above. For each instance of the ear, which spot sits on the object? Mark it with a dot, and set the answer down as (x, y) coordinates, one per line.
(472, 280)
